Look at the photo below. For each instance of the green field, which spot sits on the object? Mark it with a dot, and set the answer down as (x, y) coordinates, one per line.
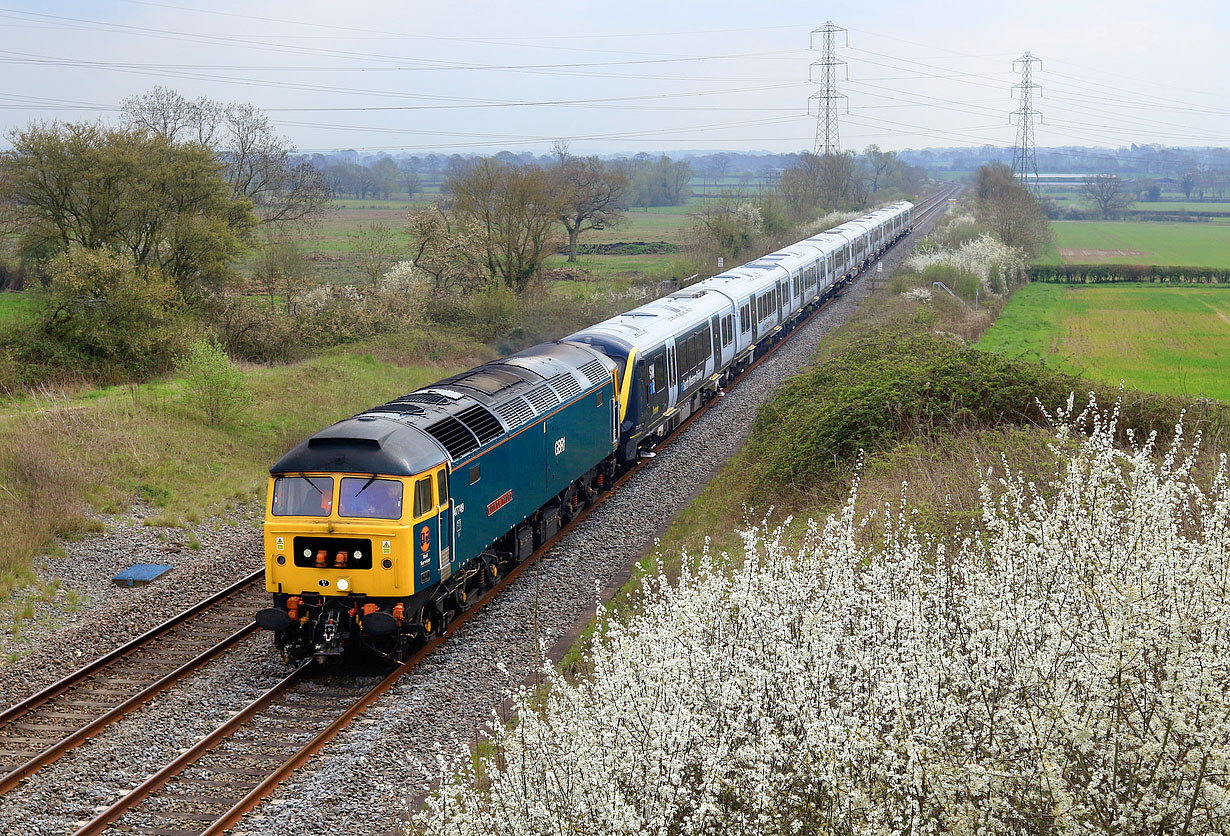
(1173, 340)
(1141, 242)
(14, 307)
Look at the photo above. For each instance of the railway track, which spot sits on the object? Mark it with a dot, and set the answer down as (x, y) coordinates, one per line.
(41, 728)
(211, 786)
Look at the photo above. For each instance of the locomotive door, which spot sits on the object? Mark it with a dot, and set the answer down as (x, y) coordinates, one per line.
(444, 523)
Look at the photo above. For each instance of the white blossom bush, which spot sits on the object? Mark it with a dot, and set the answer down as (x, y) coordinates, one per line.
(1062, 669)
(918, 294)
(984, 257)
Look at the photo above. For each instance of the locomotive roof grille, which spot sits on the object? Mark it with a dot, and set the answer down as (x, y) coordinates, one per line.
(482, 423)
(424, 397)
(515, 412)
(488, 380)
(398, 407)
(565, 385)
(542, 398)
(594, 371)
(456, 437)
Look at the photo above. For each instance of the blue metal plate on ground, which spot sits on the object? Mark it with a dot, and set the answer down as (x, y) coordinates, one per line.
(140, 573)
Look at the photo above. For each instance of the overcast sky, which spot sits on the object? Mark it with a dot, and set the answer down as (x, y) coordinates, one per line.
(453, 75)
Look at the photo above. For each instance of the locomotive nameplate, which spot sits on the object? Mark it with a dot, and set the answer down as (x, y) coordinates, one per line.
(499, 503)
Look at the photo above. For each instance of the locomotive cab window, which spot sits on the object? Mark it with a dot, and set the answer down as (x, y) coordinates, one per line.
(442, 485)
(303, 496)
(422, 497)
(370, 498)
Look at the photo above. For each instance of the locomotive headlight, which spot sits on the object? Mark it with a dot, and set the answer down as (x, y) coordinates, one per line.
(343, 584)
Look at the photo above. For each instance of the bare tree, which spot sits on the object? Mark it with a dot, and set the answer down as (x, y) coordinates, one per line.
(1108, 193)
(1189, 182)
(880, 162)
(376, 246)
(169, 114)
(591, 196)
(259, 163)
(517, 210)
(1007, 206)
(283, 270)
(799, 186)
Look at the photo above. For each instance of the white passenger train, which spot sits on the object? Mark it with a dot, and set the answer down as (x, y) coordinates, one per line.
(676, 352)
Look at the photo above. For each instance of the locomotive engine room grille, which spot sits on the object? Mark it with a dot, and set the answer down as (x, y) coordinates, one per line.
(358, 551)
(565, 385)
(482, 423)
(515, 412)
(542, 399)
(594, 371)
(456, 437)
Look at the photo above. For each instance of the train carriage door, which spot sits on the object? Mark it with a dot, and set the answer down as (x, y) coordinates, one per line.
(672, 370)
(715, 328)
(444, 519)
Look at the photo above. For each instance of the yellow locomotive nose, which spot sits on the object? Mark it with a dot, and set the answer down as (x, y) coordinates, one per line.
(332, 534)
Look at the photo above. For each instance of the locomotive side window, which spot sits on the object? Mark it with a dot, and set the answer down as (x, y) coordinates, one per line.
(422, 497)
(442, 486)
(370, 498)
(303, 496)
(475, 473)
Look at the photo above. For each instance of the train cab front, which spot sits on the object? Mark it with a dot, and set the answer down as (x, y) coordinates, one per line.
(350, 559)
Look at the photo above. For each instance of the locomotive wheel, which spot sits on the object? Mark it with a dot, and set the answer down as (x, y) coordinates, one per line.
(570, 505)
(491, 573)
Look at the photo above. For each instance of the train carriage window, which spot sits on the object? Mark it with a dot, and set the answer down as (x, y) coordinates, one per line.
(303, 496)
(370, 498)
(745, 318)
(422, 497)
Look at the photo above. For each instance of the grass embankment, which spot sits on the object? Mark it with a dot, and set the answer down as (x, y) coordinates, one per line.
(1140, 242)
(1173, 340)
(63, 455)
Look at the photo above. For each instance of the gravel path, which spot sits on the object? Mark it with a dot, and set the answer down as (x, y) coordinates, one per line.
(364, 778)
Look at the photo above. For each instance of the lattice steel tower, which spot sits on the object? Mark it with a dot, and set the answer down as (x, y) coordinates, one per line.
(1024, 157)
(827, 141)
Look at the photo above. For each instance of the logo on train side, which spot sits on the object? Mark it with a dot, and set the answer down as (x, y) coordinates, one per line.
(424, 539)
(499, 503)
